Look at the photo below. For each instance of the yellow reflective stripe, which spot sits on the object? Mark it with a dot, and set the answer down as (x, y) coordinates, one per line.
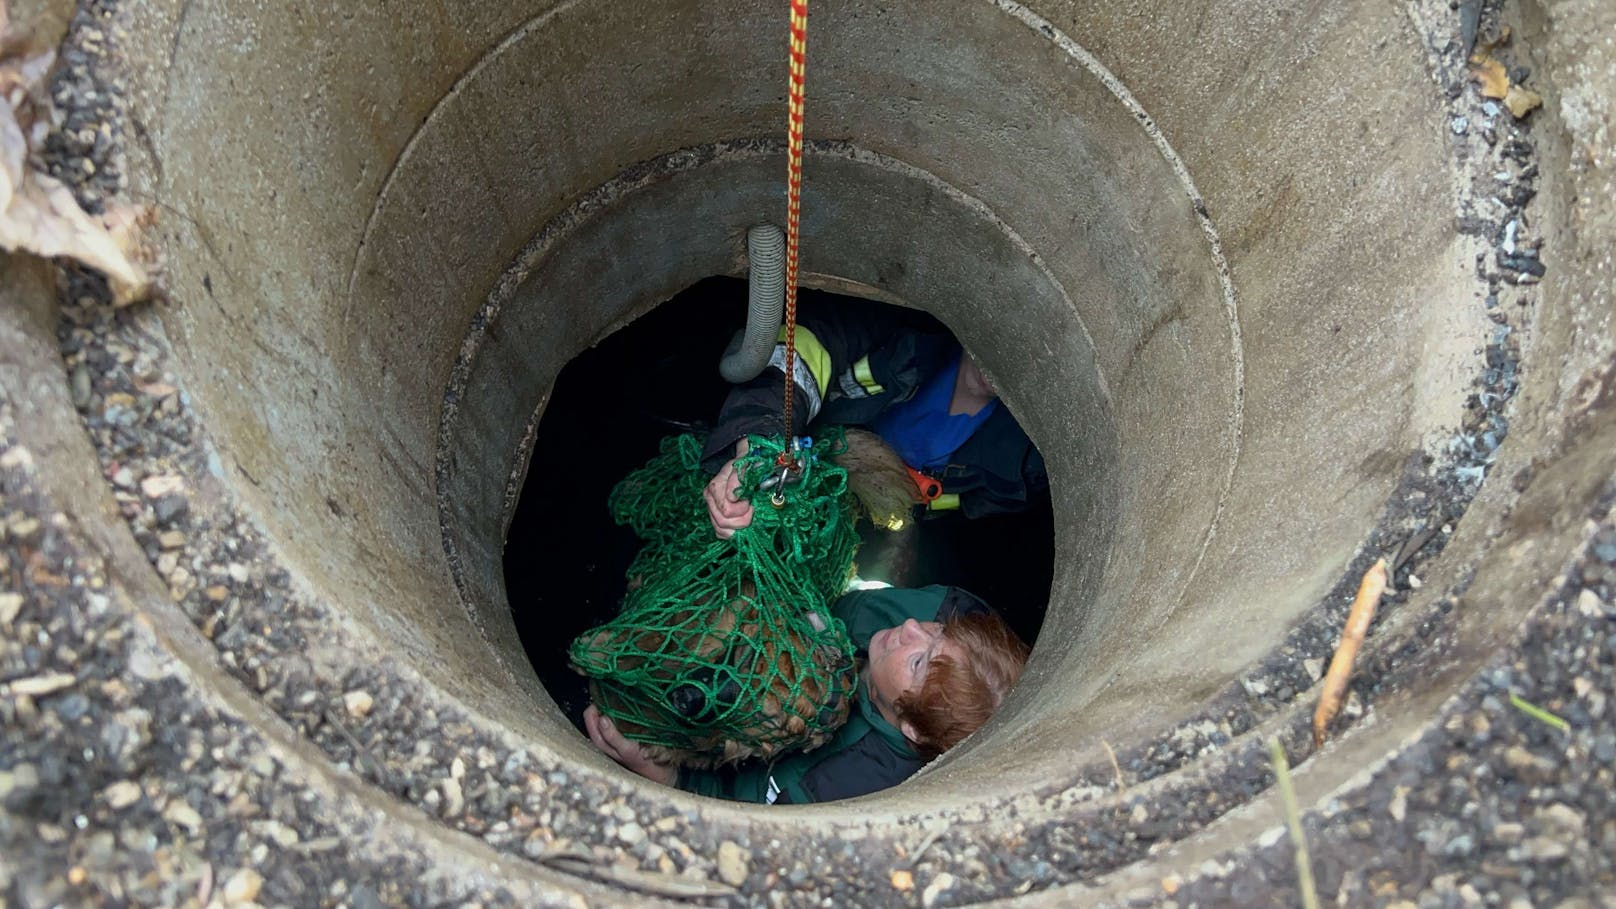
(813, 354)
(861, 372)
(948, 501)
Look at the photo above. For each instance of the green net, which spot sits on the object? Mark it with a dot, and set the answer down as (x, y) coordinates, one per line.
(727, 649)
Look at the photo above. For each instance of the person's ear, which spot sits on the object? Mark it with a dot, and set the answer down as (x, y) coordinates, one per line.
(909, 731)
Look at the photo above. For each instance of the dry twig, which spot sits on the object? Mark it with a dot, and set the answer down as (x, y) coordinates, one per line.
(1122, 785)
(1358, 619)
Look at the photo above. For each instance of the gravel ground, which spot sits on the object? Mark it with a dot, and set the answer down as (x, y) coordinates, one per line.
(121, 787)
(1491, 806)
(118, 785)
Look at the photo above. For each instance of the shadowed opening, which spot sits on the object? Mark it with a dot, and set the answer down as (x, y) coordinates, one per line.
(612, 404)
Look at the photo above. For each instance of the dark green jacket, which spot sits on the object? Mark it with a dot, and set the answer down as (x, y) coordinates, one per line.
(867, 754)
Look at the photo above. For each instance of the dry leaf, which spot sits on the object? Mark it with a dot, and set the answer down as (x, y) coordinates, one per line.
(44, 219)
(1493, 77)
(37, 213)
(1521, 101)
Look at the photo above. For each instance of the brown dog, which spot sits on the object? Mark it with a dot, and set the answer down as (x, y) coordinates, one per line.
(713, 684)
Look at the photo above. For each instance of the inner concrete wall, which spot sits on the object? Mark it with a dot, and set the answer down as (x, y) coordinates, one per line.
(1211, 253)
(366, 207)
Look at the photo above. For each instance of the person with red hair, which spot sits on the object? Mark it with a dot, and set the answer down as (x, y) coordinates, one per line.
(936, 662)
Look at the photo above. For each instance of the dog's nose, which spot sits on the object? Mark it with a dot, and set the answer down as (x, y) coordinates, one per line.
(688, 700)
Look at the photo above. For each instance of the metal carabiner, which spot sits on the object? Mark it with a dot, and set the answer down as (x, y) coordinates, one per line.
(778, 497)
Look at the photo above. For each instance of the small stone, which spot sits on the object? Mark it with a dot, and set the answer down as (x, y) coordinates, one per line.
(1314, 668)
(1508, 833)
(1354, 707)
(1605, 749)
(1588, 605)
(1414, 582)
(26, 530)
(734, 863)
(72, 707)
(1563, 817)
(242, 887)
(217, 593)
(81, 386)
(939, 885)
(902, 880)
(10, 605)
(156, 487)
(48, 683)
(16, 457)
(20, 778)
(1398, 808)
(237, 572)
(631, 833)
(1211, 868)
(183, 815)
(171, 539)
(169, 508)
(454, 799)
(284, 836)
(167, 562)
(1528, 766)
(262, 764)
(1543, 849)
(358, 703)
(121, 794)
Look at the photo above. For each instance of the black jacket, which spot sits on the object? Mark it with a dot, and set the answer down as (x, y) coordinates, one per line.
(855, 360)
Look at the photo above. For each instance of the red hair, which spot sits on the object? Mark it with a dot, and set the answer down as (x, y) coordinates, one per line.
(958, 696)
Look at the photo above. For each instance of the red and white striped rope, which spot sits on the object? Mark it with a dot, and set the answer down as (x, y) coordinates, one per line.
(799, 59)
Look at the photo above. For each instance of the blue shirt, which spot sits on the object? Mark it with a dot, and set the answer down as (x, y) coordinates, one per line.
(921, 430)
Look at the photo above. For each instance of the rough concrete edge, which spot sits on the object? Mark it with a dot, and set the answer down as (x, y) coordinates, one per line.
(173, 647)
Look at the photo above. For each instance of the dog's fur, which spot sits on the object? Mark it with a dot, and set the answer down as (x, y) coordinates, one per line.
(696, 653)
(703, 643)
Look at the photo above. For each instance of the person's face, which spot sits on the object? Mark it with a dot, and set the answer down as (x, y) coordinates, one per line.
(899, 658)
(972, 376)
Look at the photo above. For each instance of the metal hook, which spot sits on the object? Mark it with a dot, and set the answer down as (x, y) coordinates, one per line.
(778, 497)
